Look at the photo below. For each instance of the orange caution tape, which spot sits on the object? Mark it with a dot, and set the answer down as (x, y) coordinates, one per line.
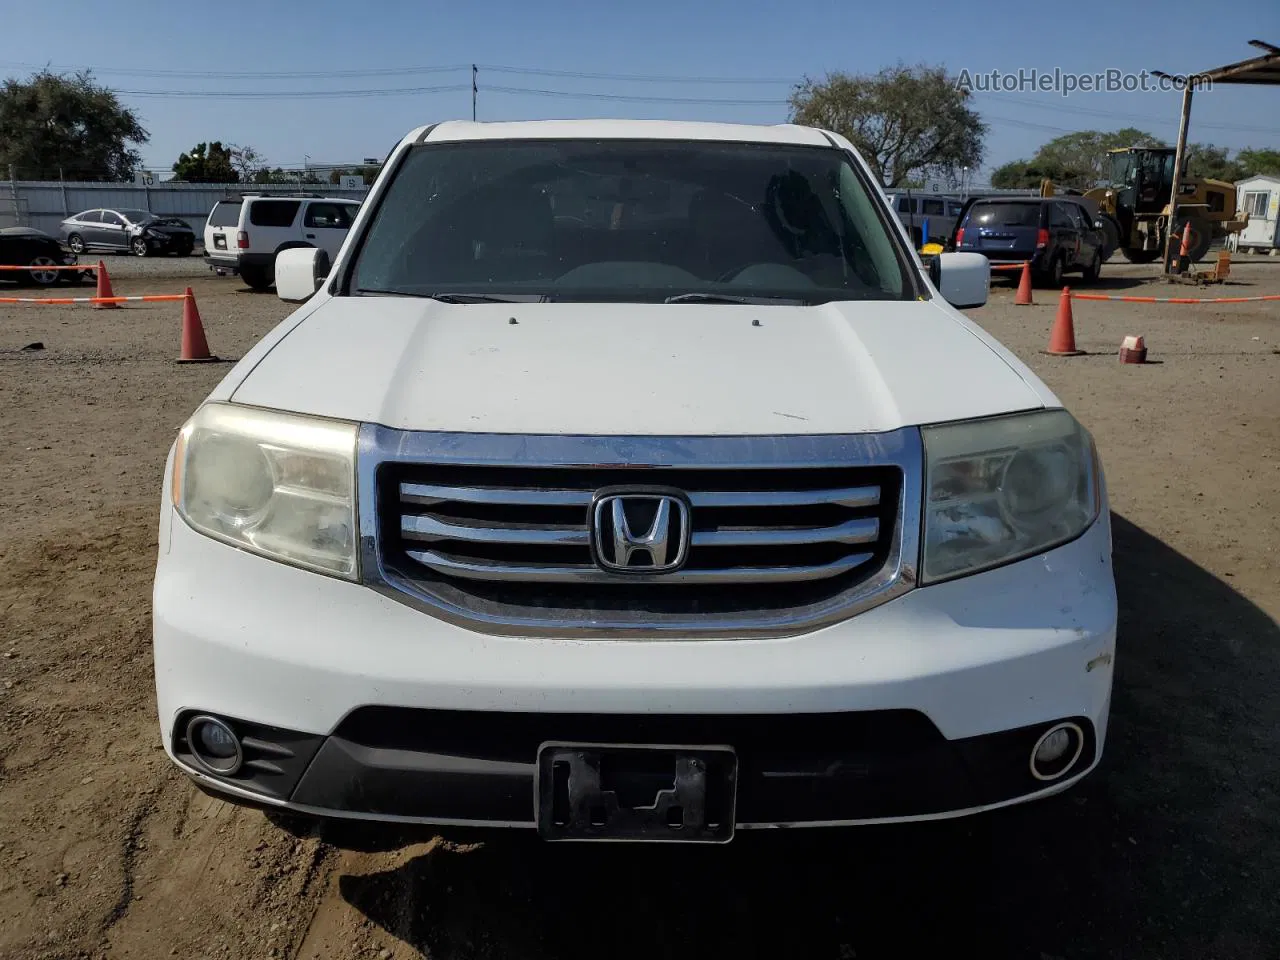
(41, 268)
(157, 298)
(1103, 296)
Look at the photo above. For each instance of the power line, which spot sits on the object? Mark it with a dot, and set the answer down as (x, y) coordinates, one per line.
(291, 94)
(630, 98)
(404, 72)
(246, 75)
(634, 77)
(1140, 118)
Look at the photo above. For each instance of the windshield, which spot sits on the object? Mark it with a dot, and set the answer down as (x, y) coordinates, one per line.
(1004, 215)
(1121, 169)
(630, 220)
(136, 216)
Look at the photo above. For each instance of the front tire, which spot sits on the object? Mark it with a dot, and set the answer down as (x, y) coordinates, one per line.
(138, 247)
(43, 278)
(1201, 238)
(75, 243)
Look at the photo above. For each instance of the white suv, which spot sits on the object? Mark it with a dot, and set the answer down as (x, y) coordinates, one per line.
(632, 480)
(243, 234)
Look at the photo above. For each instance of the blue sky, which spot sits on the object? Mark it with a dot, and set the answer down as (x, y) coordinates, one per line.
(145, 48)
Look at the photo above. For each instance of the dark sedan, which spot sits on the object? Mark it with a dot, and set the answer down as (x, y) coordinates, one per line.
(28, 247)
(139, 232)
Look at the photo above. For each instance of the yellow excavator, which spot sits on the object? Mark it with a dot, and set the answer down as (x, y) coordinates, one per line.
(1134, 209)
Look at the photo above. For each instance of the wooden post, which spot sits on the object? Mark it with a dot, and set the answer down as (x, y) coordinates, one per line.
(1179, 158)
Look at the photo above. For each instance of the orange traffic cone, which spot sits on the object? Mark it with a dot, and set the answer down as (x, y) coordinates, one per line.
(1023, 299)
(1062, 339)
(1133, 350)
(104, 289)
(195, 348)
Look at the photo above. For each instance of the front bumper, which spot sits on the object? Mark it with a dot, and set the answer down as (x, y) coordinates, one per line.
(925, 706)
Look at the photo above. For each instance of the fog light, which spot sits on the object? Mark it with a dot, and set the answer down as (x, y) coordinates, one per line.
(214, 745)
(1056, 751)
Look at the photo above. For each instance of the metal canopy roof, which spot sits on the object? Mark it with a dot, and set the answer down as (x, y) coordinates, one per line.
(1264, 70)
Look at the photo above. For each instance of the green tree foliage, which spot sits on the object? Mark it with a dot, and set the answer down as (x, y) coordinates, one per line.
(1206, 160)
(56, 123)
(206, 163)
(1256, 160)
(1073, 159)
(905, 121)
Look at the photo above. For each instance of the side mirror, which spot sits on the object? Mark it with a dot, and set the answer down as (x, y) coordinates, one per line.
(963, 279)
(300, 272)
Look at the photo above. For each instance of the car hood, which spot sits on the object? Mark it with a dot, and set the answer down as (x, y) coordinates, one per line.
(166, 225)
(635, 369)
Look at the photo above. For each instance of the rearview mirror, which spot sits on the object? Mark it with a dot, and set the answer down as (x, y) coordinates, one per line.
(963, 279)
(300, 272)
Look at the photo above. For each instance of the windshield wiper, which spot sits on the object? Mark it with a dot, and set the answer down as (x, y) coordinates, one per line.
(489, 297)
(730, 298)
(460, 297)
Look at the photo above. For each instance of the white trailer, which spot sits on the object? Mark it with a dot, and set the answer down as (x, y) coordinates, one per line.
(1259, 197)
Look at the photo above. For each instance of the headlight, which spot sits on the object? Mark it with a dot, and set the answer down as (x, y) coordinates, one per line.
(278, 484)
(999, 490)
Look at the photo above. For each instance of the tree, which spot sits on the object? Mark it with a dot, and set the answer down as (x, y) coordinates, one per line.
(206, 163)
(905, 121)
(1072, 160)
(1206, 160)
(246, 161)
(1027, 174)
(1256, 160)
(58, 123)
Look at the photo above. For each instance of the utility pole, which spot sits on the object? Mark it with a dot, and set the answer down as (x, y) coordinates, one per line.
(1179, 159)
(475, 89)
(13, 193)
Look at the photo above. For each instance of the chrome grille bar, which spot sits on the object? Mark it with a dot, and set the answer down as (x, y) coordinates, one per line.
(581, 573)
(854, 531)
(415, 527)
(428, 494)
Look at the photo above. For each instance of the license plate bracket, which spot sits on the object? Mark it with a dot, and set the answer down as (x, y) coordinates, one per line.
(636, 792)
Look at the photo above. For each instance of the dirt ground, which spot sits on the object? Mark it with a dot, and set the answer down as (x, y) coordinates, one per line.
(1170, 850)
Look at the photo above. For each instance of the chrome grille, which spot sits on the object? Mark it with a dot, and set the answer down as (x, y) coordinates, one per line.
(460, 525)
(785, 533)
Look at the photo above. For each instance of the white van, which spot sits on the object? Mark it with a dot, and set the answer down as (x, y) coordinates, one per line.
(243, 234)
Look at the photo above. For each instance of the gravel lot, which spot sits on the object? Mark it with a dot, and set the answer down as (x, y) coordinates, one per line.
(1171, 850)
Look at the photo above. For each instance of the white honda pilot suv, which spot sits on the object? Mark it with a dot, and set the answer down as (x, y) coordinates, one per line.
(632, 481)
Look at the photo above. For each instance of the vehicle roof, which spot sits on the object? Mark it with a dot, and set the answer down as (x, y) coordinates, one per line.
(1064, 196)
(456, 130)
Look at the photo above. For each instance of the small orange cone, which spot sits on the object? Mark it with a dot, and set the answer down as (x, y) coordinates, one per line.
(1186, 240)
(1062, 339)
(104, 289)
(1133, 350)
(1023, 299)
(195, 348)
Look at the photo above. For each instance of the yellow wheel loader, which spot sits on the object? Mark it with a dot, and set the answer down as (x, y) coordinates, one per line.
(1134, 209)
